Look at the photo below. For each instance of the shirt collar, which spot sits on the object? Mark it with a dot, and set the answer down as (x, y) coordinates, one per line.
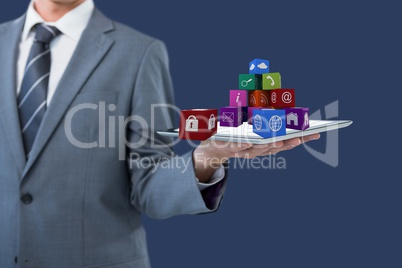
(71, 24)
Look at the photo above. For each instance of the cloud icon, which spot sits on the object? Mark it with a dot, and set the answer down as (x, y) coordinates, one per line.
(262, 66)
(252, 67)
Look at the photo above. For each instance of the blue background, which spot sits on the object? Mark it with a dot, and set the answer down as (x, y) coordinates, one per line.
(311, 214)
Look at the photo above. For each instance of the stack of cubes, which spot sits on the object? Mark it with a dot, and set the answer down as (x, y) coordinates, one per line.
(261, 101)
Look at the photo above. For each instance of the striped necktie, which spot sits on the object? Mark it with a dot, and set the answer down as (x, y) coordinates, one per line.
(32, 97)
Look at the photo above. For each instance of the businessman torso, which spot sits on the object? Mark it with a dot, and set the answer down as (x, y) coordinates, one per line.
(67, 206)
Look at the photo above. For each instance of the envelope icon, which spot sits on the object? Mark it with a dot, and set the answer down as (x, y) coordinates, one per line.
(228, 117)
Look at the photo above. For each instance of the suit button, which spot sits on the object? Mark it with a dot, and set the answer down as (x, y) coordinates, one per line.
(27, 199)
(16, 259)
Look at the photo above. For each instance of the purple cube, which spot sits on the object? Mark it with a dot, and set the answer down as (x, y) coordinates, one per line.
(238, 98)
(250, 113)
(231, 116)
(297, 118)
(244, 111)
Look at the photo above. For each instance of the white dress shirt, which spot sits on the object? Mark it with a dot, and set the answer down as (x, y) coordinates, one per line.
(71, 26)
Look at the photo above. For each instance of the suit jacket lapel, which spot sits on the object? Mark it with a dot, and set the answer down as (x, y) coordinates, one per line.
(10, 37)
(91, 49)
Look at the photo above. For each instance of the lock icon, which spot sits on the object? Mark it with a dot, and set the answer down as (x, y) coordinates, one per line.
(192, 124)
(211, 122)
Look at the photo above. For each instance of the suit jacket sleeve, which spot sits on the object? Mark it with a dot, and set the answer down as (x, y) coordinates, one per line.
(163, 185)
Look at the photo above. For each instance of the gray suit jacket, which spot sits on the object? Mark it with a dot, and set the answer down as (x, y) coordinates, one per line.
(80, 207)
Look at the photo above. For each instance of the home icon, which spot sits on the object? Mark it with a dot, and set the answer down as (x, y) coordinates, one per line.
(292, 119)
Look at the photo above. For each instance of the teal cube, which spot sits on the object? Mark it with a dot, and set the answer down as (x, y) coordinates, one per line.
(271, 81)
(250, 81)
(269, 123)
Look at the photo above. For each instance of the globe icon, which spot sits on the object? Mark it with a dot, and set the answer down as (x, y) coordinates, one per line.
(275, 123)
(257, 122)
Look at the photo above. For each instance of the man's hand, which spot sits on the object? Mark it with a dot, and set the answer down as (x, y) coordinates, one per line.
(210, 155)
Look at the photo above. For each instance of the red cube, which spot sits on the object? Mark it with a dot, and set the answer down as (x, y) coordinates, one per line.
(258, 98)
(282, 98)
(198, 124)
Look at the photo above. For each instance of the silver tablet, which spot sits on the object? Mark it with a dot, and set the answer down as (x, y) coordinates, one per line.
(244, 133)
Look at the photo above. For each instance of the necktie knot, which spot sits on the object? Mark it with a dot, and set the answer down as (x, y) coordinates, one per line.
(45, 33)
